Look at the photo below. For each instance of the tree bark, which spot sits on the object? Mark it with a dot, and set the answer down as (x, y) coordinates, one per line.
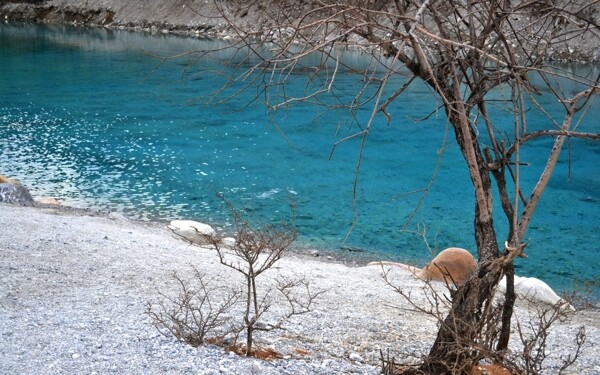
(452, 351)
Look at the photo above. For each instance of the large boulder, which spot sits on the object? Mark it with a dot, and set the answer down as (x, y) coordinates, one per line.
(452, 265)
(11, 191)
(535, 290)
(193, 231)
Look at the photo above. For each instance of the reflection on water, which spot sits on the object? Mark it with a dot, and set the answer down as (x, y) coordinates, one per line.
(90, 117)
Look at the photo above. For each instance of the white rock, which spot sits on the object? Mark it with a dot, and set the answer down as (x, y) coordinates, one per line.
(536, 290)
(192, 230)
(355, 357)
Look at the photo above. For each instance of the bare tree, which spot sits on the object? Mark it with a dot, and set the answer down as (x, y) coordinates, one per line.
(463, 50)
(257, 248)
(533, 328)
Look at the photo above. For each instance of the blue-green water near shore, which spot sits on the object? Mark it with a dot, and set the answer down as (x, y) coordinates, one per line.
(89, 117)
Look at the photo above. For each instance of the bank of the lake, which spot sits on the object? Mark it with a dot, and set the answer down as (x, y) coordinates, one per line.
(212, 19)
(76, 284)
(89, 118)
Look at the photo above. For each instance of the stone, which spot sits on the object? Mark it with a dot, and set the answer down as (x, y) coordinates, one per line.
(256, 368)
(11, 191)
(355, 357)
(193, 231)
(451, 265)
(535, 290)
(49, 201)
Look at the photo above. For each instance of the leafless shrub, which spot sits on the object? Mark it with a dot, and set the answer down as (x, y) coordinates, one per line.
(257, 248)
(298, 294)
(388, 364)
(533, 333)
(199, 311)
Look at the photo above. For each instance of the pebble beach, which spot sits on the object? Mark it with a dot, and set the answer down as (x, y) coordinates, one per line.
(76, 285)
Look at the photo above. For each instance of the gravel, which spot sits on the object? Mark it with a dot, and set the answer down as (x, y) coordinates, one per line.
(76, 284)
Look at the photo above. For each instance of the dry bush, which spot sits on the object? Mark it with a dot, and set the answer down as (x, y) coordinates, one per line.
(534, 333)
(581, 295)
(257, 248)
(527, 358)
(199, 312)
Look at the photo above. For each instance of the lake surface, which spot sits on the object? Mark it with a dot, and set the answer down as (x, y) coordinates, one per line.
(91, 117)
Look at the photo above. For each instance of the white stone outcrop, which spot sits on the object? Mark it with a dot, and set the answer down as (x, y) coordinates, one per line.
(192, 231)
(534, 290)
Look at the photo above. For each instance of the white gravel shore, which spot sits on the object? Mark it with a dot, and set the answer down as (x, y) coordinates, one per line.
(75, 285)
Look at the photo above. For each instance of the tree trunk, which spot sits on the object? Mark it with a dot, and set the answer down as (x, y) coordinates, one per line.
(453, 351)
(508, 307)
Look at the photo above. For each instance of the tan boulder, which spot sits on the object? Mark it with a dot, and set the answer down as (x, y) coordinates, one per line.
(452, 265)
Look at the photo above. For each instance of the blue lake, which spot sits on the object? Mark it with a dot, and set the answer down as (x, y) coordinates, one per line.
(91, 117)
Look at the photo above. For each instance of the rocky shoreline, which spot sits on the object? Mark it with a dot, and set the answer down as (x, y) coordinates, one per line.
(201, 18)
(197, 18)
(76, 284)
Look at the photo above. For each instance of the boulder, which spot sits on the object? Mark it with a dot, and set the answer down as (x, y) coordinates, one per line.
(535, 290)
(11, 191)
(451, 265)
(193, 231)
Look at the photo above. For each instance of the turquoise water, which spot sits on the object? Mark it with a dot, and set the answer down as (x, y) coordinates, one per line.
(89, 116)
